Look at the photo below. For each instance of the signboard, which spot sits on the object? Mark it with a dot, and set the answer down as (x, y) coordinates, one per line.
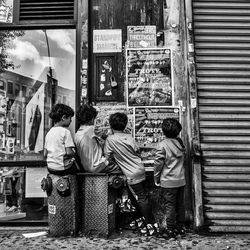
(34, 177)
(148, 131)
(102, 119)
(149, 77)
(141, 36)
(107, 41)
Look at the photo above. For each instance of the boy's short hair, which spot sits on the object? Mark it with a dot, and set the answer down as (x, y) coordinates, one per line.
(118, 121)
(171, 127)
(86, 113)
(59, 110)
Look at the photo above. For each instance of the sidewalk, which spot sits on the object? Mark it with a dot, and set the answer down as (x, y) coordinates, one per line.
(12, 239)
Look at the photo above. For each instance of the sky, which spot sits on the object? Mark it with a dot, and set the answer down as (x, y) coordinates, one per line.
(30, 54)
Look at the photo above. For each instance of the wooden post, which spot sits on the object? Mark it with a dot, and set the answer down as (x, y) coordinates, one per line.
(194, 120)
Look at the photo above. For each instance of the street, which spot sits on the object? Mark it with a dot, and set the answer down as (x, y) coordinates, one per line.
(12, 238)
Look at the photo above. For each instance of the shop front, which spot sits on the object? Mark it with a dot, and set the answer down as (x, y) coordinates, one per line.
(124, 56)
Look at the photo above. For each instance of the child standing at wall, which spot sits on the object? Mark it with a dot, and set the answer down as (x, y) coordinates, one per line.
(59, 145)
(125, 152)
(169, 175)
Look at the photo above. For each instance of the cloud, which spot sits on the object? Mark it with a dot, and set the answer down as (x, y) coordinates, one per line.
(24, 50)
(63, 39)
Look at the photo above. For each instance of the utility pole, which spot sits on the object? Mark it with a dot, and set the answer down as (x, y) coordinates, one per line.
(52, 83)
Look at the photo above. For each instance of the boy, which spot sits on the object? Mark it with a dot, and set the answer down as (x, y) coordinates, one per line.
(124, 150)
(169, 175)
(89, 145)
(59, 143)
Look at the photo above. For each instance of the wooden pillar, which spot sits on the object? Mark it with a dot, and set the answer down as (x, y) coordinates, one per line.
(82, 42)
(194, 120)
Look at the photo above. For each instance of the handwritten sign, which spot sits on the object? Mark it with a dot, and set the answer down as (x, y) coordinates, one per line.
(105, 41)
(102, 119)
(148, 128)
(149, 77)
(141, 36)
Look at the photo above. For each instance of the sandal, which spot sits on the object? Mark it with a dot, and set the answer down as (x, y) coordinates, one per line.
(150, 230)
(136, 224)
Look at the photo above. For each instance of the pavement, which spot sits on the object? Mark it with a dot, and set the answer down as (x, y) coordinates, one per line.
(12, 238)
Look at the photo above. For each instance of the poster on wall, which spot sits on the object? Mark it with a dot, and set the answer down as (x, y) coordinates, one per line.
(148, 131)
(149, 77)
(102, 119)
(107, 41)
(141, 36)
(33, 180)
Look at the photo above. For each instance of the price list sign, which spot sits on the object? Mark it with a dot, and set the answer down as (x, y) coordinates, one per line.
(148, 128)
(149, 77)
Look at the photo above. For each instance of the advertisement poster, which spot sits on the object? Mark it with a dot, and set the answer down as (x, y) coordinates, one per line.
(102, 119)
(148, 132)
(107, 41)
(141, 36)
(149, 77)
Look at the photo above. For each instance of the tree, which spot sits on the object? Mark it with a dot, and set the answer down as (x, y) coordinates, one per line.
(6, 36)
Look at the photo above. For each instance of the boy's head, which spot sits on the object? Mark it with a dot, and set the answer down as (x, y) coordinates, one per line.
(86, 114)
(171, 128)
(59, 111)
(118, 121)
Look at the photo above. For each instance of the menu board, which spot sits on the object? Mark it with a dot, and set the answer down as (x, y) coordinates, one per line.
(148, 131)
(149, 77)
(102, 119)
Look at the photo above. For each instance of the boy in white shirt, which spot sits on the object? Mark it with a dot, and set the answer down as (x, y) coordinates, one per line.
(59, 144)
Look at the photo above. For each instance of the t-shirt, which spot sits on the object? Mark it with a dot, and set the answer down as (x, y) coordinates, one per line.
(90, 150)
(56, 140)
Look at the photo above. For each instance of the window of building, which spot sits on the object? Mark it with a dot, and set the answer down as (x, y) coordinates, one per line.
(2, 85)
(24, 90)
(34, 58)
(10, 88)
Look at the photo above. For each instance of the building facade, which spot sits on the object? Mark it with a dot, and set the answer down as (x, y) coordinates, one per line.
(151, 59)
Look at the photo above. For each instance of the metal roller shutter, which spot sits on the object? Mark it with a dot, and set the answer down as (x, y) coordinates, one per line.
(222, 52)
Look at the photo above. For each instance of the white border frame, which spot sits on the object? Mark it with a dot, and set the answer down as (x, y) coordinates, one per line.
(172, 75)
(172, 107)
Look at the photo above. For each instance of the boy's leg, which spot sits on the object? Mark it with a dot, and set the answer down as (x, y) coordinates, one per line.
(143, 203)
(168, 197)
(180, 209)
